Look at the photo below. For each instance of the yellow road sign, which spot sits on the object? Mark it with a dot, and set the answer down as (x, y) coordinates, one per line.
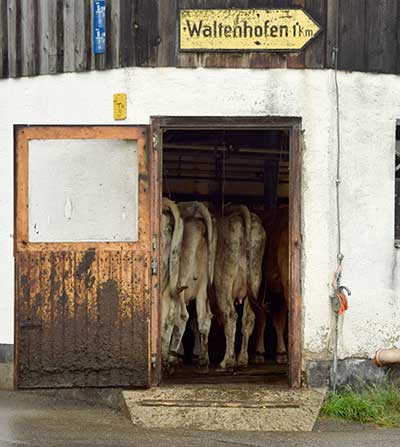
(246, 29)
(120, 106)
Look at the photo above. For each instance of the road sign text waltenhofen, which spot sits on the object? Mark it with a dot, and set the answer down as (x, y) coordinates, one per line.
(246, 29)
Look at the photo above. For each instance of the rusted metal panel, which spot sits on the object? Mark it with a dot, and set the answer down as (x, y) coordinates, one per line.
(83, 310)
(83, 319)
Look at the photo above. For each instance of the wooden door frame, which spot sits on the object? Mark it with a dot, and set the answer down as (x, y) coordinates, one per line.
(159, 124)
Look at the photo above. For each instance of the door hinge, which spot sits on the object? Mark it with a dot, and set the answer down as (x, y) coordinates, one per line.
(154, 267)
(154, 242)
(153, 361)
(155, 141)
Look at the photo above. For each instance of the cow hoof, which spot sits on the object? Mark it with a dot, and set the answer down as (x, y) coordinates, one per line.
(281, 358)
(168, 370)
(259, 359)
(173, 361)
(202, 369)
(229, 370)
(222, 368)
(225, 367)
(242, 364)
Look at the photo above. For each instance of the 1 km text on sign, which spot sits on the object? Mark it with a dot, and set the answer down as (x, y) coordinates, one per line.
(246, 29)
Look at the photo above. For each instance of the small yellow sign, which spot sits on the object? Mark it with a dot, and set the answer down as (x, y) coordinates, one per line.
(120, 106)
(246, 29)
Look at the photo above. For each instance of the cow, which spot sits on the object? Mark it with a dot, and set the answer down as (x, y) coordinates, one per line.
(171, 243)
(196, 270)
(237, 276)
(277, 274)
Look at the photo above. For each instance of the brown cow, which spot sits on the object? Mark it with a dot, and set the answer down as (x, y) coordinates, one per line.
(277, 274)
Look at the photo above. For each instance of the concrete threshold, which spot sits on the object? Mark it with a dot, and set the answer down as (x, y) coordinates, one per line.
(250, 407)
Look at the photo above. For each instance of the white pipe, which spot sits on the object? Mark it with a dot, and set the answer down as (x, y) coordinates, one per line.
(387, 357)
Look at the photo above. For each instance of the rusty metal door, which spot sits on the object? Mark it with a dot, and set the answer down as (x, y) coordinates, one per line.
(83, 310)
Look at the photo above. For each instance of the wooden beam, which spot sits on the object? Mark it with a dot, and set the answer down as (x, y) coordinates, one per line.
(295, 302)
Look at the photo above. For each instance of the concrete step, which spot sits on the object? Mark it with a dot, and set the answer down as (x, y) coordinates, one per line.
(250, 407)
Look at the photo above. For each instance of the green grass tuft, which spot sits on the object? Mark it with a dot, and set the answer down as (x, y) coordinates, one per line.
(375, 404)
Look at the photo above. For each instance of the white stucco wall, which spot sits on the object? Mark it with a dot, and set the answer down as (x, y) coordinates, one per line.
(370, 105)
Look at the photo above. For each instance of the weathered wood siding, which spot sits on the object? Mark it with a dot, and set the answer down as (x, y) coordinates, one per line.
(51, 36)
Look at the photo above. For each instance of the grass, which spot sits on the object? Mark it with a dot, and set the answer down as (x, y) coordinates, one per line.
(378, 405)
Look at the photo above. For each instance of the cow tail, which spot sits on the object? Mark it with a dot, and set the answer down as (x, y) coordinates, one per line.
(211, 241)
(246, 216)
(199, 210)
(176, 245)
(212, 296)
(254, 288)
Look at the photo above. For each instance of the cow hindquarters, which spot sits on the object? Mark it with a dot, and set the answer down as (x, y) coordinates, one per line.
(248, 320)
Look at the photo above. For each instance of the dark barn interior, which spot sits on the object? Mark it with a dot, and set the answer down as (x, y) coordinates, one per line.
(223, 167)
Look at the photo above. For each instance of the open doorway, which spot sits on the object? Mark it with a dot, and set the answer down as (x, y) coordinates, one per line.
(255, 164)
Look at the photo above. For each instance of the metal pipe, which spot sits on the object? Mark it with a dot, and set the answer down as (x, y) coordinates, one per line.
(335, 352)
(387, 357)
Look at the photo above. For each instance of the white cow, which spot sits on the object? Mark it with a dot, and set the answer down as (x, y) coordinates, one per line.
(237, 276)
(196, 269)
